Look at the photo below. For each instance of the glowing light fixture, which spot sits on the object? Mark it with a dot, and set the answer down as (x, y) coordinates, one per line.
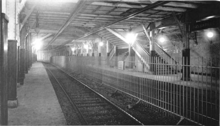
(210, 34)
(73, 49)
(100, 43)
(209, 17)
(86, 46)
(131, 37)
(162, 39)
(37, 44)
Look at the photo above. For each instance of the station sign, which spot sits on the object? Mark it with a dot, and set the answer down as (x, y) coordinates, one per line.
(212, 23)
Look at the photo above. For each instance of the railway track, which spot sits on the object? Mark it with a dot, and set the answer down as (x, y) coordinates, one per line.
(92, 108)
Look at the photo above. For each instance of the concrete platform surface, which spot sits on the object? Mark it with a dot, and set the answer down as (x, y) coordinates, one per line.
(37, 101)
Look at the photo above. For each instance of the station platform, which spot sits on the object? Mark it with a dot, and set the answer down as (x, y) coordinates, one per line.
(37, 101)
(197, 81)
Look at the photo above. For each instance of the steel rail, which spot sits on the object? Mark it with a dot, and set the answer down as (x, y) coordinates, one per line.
(100, 95)
(82, 118)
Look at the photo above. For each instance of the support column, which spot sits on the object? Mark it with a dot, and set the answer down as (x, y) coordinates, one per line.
(18, 65)
(21, 74)
(30, 53)
(131, 57)
(152, 48)
(12, 74)
(186, 52)
(3, 68)
(186, 59)
(26, 55)
(93, 53)
(116, 56)
(107, 48)
(153, 53)
(99, 50)
(93, 48)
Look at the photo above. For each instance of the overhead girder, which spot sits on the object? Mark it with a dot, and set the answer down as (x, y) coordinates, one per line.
(96, 17)
(99, 28)
(171, 6)
(80, 5)
(27, 16)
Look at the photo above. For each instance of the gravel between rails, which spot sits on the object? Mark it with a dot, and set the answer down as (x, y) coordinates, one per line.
(69, 113)
(85, 107)
(146, 113)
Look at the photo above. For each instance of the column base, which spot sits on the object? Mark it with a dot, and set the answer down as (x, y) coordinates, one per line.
(21, 82)
(13, 103)
(18, 85)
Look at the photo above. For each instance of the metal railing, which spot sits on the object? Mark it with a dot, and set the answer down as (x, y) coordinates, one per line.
(196, 99)
(164, 55)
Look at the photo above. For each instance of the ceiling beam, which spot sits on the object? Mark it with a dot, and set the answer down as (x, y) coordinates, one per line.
(22, 6)
(117, 34)
(43, 31)
(78, 7)
(144, 17)
(179, 4)
(171, 7)
(100, 28)
(117, 5)
(27, 16)
(47, 36)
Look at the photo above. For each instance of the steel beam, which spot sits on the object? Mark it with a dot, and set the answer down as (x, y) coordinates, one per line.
(12, 74)
(156, 4)
(3, 68)
(26, 17)
(116, 34)
(78, 7)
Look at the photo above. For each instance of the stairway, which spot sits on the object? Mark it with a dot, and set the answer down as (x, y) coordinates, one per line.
(142, 54)
(123, 56)
(159, 66)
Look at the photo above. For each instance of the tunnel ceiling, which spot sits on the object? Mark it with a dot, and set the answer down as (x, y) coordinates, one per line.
(69, 21)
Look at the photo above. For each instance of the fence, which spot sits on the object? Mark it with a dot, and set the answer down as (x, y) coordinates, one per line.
(196, 99)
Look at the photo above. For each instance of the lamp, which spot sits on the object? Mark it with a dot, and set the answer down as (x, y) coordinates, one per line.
(86, 46)
(210, 34)
(131, 38)
(100, 43)
(37, 44)
(162, 39)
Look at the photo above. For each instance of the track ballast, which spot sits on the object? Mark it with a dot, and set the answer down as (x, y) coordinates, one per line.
(91, 107)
